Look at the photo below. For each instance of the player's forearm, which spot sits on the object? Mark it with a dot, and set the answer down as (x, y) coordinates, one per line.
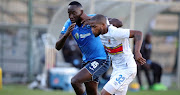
(61, 42)
(138, 41)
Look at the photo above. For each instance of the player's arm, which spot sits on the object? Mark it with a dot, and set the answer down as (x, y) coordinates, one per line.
(137, 35)
(63, 37)
(115, 22)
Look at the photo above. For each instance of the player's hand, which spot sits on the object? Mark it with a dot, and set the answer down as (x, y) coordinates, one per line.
(85, 22)
(71, 27)
(139, 58)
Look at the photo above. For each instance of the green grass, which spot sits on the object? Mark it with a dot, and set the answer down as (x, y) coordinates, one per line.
(169, 92)
(23, 90)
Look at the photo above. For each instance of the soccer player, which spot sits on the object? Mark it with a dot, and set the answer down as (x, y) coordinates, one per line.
(116, 43)
(95, 59)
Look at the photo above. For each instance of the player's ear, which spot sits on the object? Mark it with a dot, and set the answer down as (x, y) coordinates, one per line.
(82, 12)
(104, 25)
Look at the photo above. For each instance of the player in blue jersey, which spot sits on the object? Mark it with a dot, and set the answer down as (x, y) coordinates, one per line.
(95, 60)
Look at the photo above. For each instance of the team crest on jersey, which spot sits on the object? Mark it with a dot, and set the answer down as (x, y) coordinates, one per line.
(88, 26)
(77, 36)
(109, 41)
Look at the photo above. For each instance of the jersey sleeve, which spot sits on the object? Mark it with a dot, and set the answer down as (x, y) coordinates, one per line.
(65, 27)
(119, 33)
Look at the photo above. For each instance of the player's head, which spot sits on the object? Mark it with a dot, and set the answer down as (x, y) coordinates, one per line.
(75, 11)
(148, 37)
(98, 25)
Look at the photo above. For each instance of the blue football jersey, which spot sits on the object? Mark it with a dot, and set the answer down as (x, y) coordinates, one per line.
(90, 46)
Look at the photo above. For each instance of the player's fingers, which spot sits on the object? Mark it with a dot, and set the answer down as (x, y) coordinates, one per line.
(144, 60)
(141, 61)
(85, 23)
(73, 25)
(141, 58)
(70, 28)
(85, 20)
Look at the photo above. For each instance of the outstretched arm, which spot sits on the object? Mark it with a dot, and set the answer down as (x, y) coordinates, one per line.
(62, 38)
(137, 35)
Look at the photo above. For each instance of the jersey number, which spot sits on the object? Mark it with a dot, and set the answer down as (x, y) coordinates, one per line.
(120, 79)
(94, 64)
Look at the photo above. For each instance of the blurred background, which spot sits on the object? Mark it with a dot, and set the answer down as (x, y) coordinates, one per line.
(29, 30)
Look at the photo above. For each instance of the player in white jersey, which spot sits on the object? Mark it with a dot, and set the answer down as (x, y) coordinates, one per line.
(116, 43)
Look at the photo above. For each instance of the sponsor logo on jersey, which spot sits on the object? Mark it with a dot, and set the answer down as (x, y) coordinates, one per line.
(77, 36)
(114, 50)
(85, 35)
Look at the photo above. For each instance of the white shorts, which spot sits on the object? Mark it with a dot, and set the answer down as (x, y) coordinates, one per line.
(118, 84)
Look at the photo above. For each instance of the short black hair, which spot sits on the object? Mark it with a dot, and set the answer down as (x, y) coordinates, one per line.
(76, 3)
(99, 18)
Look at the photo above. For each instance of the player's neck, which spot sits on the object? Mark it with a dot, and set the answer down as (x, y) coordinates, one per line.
(78, 23)
(107, 28)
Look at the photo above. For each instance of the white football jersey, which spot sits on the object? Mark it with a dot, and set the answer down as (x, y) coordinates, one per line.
(116, 43)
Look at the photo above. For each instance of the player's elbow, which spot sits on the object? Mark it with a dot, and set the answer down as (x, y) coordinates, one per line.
(115, 22)
(57, 46)
(139, 33)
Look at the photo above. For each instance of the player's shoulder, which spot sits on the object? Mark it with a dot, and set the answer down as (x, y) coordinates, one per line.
(68, 21)
(112, 28)
(66, 25)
